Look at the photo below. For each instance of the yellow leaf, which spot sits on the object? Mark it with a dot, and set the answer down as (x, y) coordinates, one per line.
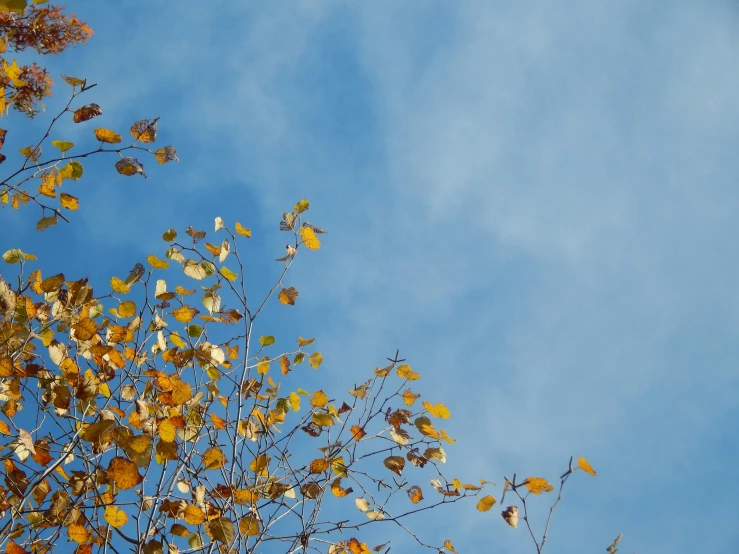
(438, 410)
(266, 340)
(315, 360)
(305, 342)
(184, 314)
(409, 397)
(69, 202)
(249, 526)
(214, 458)
(227, 273)
(167, 431)
(193, 515)
(583, 464)
(288, 296)
(62, 145)
(127, 309)
(124, 473)
(263, 366)
(106, 135)
(485, 503)
(115, 516)
(301, 206)
(47, 186)
(260, 464)
(537, 485)
(309, 238)
(119, 285)
(423, 424)
(78, 533)
(405, 372)
(319, 399)
(323, 420)
(243, 231)
(156, 263)
(4, 428)
(448, 545)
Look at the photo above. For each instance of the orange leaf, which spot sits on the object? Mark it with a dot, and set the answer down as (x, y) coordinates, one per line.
(124, 473)
(288, 296)
(218, 422)
(415, 494)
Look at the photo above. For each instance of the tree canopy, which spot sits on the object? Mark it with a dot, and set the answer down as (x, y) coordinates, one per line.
(150, 414)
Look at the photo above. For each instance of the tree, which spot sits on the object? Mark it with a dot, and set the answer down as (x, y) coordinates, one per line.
(149, 413)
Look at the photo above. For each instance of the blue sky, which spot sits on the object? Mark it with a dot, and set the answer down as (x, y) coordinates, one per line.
(534, 201)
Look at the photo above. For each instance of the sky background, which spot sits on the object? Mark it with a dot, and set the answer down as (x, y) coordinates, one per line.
(535, 201)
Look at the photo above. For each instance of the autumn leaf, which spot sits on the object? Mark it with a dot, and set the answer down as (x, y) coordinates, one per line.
(319, 399)
(249, 526)
(537, 485)
(485, 503)
(315, 360)
(510, 515)
(222, 529)
(145, 130)
(166, 154)
(184, 314)
(86, 113)
(62, 145)
(214, 458)
(193, 515)
(405, 372)
(415, 494)
(301, 206)
(78, 533)
(583, 464)
(437, 410)
(115, 516)
(69, 202)
(129, 166)
(395, 464)
(156, 263)
(227, 273)
(288, 296)
(107, 136)
(123, 473)
(309, 238)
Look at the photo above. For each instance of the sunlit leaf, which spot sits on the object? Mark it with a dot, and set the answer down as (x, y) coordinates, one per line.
(405, 372)
(123, 473)
(73, 81)
(69, 202)
(583, 464)
(537, 485)
(119, 285)
(309, 238)
(62, 145)
(115, 516)
(166, 154)
(415, 494)
(86, 113)
(301, 206)
(214, 458)
(129, 166)
(315, 360)
(78, 533)
(156, 263)
(288, 296)
(184, 314)
(193, 515)
(145, 130)
(241, 230)
(107, 136)
(227, 273)
(319, 399)
(249, 526)
(437, 410)
(409, 398)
